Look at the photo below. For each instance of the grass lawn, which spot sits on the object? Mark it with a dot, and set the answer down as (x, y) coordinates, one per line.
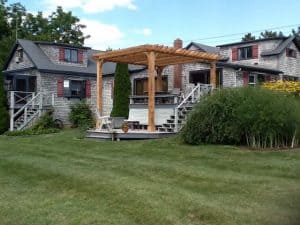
(58, 179)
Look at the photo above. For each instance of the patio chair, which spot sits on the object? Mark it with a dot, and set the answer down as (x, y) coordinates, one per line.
(105, 122)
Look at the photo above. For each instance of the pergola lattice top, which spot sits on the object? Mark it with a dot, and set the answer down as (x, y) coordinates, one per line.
(164, 55)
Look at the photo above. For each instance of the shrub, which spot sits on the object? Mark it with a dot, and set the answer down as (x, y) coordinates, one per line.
(256, 117)
(4, 116)
(122, 90)
(81, 115)
(284, 86)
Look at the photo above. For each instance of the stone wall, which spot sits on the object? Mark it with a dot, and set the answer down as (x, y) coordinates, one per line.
(48, 84)
(289, 65)
(52, 52)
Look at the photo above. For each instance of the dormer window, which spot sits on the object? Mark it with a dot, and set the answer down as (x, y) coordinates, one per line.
(291, 53)
(245, 53)
(71, 55)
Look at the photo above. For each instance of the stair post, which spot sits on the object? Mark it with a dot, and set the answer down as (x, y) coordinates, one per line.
(25, 115)
(40, 104)
(176, 119)
(11, 110)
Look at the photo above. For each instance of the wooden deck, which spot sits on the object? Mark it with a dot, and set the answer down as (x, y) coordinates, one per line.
(118, 134)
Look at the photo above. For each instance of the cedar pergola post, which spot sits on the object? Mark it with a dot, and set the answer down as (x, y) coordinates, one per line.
(151, 91)
(213, 74)
(159, 78)
(99, 90)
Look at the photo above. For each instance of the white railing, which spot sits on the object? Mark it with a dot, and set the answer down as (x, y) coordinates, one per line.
(193, 97)
(28, 101)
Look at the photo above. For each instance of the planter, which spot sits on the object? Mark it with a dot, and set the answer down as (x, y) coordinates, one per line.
(117, 122)
(125, 129)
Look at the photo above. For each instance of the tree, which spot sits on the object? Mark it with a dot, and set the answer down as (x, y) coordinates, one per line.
(4, 27)
(64, 27)
(122, 89)
(248, 37)
(4, 116)
(271, 34)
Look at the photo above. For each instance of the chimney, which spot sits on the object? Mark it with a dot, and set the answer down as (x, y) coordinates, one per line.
(177, 68)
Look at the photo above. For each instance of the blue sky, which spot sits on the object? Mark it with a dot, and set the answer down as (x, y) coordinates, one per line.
(124, 23)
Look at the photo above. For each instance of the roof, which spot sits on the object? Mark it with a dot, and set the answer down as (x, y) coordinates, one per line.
(43, 63)
(253, 41)
(204, 48)
(164, 55)
(249, 67)
(281, 47)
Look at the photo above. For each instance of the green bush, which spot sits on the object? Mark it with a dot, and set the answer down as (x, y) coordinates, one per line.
(4, 116)
(44, 125)
(255, 117)
(81, 116)
(122, 90)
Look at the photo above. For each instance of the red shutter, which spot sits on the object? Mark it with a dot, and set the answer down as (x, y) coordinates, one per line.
(255, 51)
(87, 88)
(60, 88)
(80, 56)
(112, 88)
(61, 54)
(246, 78)
(234, 54)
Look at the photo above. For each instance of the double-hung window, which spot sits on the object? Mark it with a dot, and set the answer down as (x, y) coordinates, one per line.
(71, 55)
(245, 53)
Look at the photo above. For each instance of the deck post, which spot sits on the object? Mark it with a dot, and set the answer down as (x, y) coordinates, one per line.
(159, 78)
(213, 75)
(99, 90)
(151, 91)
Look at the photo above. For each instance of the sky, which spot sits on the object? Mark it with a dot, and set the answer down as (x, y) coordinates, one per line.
(124, 23)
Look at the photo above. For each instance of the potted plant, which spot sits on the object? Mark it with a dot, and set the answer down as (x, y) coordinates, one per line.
(125, 127)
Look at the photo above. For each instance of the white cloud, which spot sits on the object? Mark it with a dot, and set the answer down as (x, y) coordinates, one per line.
(144, 31)
(102, 35)
(91, 6)
(147, 31)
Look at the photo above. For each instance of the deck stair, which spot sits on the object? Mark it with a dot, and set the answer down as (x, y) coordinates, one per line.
(176, 121)
(34, 104)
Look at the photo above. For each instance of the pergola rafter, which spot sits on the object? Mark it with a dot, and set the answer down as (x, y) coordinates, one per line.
(154, 57)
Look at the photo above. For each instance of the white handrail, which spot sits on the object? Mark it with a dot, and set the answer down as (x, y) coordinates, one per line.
(26, 105)
(39, 99)
(195, 95)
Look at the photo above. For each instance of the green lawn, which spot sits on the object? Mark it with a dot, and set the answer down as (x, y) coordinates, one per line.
(58, 179)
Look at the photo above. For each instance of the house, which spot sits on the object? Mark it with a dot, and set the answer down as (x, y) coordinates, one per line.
(61, 74)
(67, 73)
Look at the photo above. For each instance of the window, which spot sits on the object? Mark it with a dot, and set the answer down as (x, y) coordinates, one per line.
(71, 55)
(245, 53)
(74, 88)
(141, 85)
(252, 79)
(19, 55)
(8, 83)
(291, 53)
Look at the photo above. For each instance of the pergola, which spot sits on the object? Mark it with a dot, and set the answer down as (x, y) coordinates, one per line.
(155, 57)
